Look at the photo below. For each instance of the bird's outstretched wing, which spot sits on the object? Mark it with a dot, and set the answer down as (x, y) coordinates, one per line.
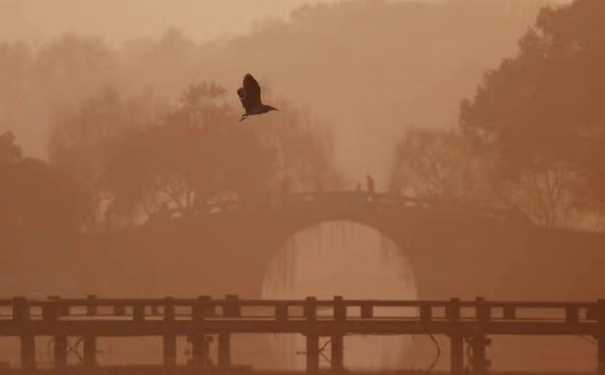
(249, 93)
(242, 97)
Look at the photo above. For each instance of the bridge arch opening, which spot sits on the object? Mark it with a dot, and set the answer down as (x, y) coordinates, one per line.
(348, 259)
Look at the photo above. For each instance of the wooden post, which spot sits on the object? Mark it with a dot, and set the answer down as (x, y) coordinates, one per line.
(457, 355)
(197, 311)
(572, 315)
(337, 339)
(479, 362)
(199, 352)
(426, 313)
(209, 310)
(28, 352)
(457, 340)
(199, 346)
(21, 310)
(340, 309)
(138, 313)
(169, 310)
(310, 308)
(452, 310)
(51, 310)
(337, 357)
(91, 305)
(601, 336)
(232, 309)
(509, 313)
(281, 313)
(483, 311)
(169, 349)
(479, 343)
(169, 336)
(60, 352)
(90, 351)
(203, 308)
(62, 309)
(224, 351)
(367, 311)
(22, 315)
(312, 353)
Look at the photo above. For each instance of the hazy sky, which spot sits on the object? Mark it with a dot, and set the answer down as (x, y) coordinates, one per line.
(118, 20)
(414, 81)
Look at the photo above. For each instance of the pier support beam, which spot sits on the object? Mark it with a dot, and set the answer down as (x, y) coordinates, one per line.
(312, 353)
(197, 350)
(601, 354)
(90, 351)
(601, 337)
(479, 362)
(337, 357)
(169, 335)
(169, 350)
(200, 351)
(28, 352)
(457, 355)
(60, 352)
(224, 351)
(22, 314)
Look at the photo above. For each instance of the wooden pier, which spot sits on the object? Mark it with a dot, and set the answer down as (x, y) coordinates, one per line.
(470, 322)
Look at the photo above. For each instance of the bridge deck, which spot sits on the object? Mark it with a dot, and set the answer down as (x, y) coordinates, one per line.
(92, 317)
(376, 326)
(147, 317)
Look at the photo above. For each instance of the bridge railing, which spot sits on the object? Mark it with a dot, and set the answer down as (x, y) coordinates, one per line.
(353, 199)
(338, 309)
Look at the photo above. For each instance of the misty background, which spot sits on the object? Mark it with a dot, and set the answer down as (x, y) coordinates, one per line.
(127, 101)
(369, 68)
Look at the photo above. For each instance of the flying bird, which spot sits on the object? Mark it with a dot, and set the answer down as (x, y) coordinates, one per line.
(249, 94)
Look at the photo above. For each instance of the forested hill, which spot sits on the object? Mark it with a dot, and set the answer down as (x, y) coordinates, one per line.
(375, 67)
(359, 64)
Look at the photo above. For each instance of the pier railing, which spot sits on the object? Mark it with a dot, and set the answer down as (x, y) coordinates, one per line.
(53, 308)
(462, 321)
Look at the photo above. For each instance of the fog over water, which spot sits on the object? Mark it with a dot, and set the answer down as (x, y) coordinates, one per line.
(367, 70)
(349, 260)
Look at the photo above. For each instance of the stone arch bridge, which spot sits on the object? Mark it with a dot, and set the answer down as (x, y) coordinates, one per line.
(453, 250)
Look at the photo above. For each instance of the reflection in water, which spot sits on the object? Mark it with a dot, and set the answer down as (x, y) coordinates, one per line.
(347, 259)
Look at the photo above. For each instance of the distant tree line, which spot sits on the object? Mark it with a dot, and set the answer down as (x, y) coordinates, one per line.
(118, 160)
(185, 156)
(533, 136)
(531, 139)
(122, 147)
(42, 207)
